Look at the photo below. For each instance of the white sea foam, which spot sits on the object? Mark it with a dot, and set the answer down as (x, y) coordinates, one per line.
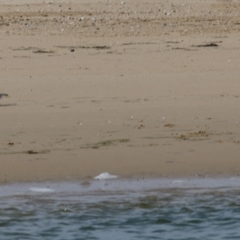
(104, 176)
(41, 190)
(178, 181)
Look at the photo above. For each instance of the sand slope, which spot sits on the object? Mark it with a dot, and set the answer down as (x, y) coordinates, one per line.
(135, 88)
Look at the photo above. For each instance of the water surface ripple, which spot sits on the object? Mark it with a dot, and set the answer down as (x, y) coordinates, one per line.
(122, 209)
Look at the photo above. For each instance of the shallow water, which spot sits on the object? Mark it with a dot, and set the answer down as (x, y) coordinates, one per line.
(122, 209)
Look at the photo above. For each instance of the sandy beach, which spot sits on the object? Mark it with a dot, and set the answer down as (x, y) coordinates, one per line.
(135, 88)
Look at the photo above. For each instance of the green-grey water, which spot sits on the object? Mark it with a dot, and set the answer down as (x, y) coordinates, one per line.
(122, 209)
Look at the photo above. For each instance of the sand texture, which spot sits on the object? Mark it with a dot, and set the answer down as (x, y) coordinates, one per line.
(133, 88)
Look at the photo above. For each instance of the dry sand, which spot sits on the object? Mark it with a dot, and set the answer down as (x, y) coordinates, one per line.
(134, 88)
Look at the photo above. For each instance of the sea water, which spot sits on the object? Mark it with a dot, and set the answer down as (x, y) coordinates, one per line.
(198, 208)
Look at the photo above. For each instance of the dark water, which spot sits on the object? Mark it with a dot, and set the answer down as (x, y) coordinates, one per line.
(122, 209)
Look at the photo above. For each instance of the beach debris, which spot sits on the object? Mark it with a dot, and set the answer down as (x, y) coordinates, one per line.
(207, 45)
(106, 143)
(200, 135)
(8, 105)
(105, 175)
(42, 51)
(170, 125)
(141, 126)
(3, 95)
(36, 152)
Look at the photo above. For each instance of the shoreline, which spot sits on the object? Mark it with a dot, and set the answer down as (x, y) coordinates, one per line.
(120, 185)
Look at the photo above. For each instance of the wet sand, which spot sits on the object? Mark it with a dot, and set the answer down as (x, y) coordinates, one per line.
(134, 88)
